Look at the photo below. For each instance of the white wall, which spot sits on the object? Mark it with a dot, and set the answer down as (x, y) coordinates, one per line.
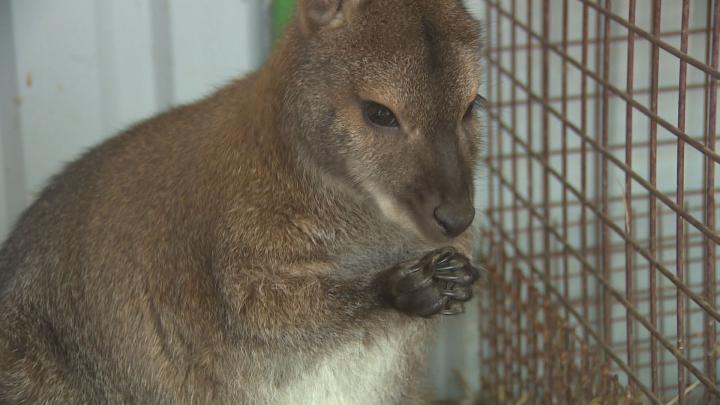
(75, 72)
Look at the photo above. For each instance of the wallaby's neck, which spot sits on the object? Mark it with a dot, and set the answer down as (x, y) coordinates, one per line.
(280, 143)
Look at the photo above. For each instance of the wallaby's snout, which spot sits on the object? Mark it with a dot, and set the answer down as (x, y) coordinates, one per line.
(454, 217)
(453, 211)
(444, 189)
(445, 212)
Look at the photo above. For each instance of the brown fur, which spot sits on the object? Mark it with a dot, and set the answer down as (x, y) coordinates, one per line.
(220, 249)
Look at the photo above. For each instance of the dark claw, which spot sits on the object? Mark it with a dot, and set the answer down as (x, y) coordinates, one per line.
(457, 277)
(453, 308)
(458, 294)
(453, 264)
(442, 255)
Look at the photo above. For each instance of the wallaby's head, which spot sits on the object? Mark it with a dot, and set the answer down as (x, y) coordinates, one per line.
(383, 97)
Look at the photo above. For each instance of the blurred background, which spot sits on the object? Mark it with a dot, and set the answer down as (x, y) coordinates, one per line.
(75, 72)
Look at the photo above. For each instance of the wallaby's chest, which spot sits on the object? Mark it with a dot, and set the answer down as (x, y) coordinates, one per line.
(359, 372)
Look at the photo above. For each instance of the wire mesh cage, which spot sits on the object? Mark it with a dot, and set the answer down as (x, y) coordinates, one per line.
(600, 202)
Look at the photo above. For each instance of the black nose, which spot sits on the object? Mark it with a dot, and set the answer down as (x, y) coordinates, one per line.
(454, 218)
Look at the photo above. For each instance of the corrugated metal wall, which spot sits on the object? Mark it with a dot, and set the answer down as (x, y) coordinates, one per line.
(75, 72)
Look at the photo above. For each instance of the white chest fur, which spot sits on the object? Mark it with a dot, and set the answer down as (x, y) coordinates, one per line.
(356, 373)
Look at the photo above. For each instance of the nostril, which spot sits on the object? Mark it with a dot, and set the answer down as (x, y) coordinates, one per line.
(454, 220)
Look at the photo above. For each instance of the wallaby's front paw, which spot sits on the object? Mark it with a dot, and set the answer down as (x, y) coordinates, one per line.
(437, 283)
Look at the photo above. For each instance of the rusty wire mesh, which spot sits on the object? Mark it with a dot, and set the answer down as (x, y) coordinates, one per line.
(600, 202)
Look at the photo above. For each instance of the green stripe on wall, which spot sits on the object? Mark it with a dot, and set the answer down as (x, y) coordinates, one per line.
(282, 10)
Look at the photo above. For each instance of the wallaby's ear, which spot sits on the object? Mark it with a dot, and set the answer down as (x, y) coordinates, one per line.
(316, 14)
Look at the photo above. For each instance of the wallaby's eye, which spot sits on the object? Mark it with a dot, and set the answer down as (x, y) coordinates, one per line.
(477, 104)
(380, 115)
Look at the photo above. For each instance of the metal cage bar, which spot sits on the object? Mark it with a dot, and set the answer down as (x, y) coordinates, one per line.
(600, 227)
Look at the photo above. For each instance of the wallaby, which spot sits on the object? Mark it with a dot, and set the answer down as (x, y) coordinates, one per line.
(285, 240)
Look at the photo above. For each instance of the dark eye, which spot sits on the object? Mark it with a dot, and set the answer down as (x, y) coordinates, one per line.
(380, 115)
(477, 104)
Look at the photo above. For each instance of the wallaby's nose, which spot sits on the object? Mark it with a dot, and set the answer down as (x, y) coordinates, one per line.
(454, 218)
